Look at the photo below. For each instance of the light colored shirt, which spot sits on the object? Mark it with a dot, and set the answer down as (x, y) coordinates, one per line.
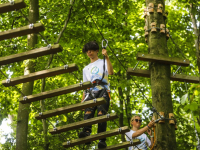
(94, 71)
(143, 139)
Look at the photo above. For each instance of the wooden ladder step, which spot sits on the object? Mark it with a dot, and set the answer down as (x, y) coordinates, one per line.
(83, 123)
(70, 108)
(6, 7)
(30, 54)
(177, 77)
(55, 92)
(122, 145)
(95, 137)
(40, 75)
(38, 27)
(163, 59)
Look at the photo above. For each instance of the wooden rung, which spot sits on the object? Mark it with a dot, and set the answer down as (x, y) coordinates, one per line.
(138, 72)
(38, 27)
(122, 145)
(30, 54)
(177, 77)
(83, 123)
(96, 137)
(184, 78)
(70, 108)
(40, 75)
(18, 4)
(163, 59)
(56, 92)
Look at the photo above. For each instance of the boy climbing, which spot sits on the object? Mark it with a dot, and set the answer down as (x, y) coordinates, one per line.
(97, 73)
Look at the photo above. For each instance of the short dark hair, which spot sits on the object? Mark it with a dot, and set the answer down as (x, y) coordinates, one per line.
(92, 45)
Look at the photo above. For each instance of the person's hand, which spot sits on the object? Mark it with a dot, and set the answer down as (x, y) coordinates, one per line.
(104, 52)
(151, 123)
(149, 132)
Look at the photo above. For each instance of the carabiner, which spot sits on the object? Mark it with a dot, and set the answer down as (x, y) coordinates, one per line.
(104, 47)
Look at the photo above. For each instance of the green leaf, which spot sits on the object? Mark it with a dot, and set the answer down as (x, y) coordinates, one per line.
(184, 99)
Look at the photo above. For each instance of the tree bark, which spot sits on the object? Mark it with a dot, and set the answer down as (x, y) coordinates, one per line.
(121, 116)
(160, 80)
(27, 88)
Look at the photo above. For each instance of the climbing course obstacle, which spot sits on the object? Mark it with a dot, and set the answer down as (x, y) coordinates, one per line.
(67, 68)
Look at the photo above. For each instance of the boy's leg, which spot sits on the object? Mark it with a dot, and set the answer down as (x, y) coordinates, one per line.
(89, 113)
(102, 110)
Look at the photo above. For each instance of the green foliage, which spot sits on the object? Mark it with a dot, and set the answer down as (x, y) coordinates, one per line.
(117, 20)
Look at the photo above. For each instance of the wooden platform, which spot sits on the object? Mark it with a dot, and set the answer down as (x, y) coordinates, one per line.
(30, 54)
(6, 7)
(38, 27)
(96, 137)
(56, 92)
(70, 108)
(163, 59)
(122, 145)
(177, 77)
(40, 75)
(83, 123)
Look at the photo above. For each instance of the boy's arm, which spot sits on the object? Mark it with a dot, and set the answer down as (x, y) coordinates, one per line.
(109, 65)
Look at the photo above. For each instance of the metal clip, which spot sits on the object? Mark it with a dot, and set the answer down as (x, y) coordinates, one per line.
(176, 71)
(31, 26)
(120, 130)
(104, 47)
(66, 66)
(81, 84)
(136, 64)
(7, 80)
(49, 46)
(12, 2)
(40, 114)
(131, 142)
(108, 116)
(68, 142)
(95, 100)
(55, 129)
(25, 98)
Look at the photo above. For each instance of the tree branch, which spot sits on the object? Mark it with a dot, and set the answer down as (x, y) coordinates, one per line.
(193, 19)
(61, 33)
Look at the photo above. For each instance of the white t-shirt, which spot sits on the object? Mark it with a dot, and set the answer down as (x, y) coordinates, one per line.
(143, 139)
(94, 71)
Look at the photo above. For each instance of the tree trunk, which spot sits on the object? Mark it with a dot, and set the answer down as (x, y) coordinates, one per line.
(160, 80)
(23, 110)
(44, 122)
(128, 105)
(121, 116)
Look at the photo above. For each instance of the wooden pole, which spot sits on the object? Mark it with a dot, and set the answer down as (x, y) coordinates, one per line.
(160, 75)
